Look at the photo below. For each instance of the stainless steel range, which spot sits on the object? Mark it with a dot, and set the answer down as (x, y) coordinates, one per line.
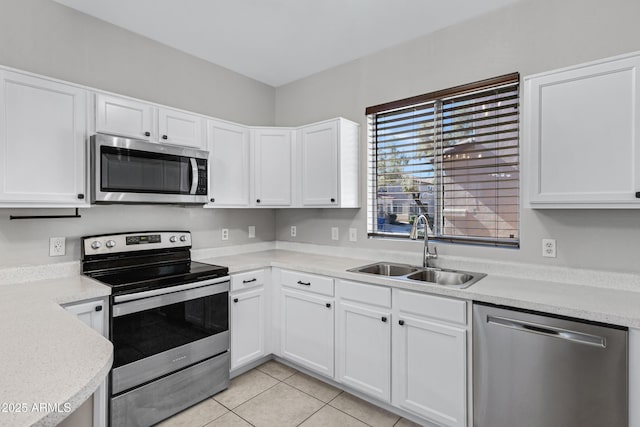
(169, 323)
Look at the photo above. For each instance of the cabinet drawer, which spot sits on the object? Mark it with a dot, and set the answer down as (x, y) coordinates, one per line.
(364, 293)
(308, 282)
(431, 306)
(247, 279)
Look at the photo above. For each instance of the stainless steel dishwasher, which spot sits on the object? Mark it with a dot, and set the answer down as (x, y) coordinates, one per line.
(533, 370)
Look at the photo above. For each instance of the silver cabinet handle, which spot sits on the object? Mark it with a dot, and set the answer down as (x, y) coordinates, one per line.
(194, 176)
(550, 331)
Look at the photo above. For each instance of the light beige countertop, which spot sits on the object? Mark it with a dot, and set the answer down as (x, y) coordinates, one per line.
(50, 362)
(596, 303)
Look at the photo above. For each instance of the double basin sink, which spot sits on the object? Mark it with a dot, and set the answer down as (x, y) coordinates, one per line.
(426, 275)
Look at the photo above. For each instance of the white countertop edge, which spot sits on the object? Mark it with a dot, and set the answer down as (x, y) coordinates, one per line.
(52, 419)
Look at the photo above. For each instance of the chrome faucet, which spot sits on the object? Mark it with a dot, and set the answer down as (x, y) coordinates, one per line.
(414, 236)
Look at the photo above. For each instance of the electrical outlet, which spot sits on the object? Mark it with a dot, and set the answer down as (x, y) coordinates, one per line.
(353, 234)
(225, 234)
(293, 231)
(549, 248)
(335, 233)
(252, 231)
(57, 246)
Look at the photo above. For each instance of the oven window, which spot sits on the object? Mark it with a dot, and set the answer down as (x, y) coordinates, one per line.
(143, 334)
(124, 170)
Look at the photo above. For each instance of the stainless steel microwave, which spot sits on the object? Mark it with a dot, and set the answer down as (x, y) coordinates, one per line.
(126, 170)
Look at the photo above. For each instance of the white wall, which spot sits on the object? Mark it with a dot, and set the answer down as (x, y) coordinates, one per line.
(529, 37)
(45, 37)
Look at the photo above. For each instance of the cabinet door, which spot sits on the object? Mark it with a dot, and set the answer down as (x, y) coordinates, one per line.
(229, 171)
(247, 327)
(272, 156)
(93, 315)
(125, 117)
(42, 141)
(319, 164)
(363, 353)
(179, 128)
(307, 330)
(430, 366)
(583, 135)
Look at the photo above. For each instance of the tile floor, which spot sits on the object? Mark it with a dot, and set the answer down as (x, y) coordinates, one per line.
(276, 395)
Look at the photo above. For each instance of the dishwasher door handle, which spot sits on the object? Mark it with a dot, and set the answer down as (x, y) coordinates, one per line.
(550, 331)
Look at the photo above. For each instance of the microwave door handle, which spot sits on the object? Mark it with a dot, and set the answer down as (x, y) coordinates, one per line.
(194, 176)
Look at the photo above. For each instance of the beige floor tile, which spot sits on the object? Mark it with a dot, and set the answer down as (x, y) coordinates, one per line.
(331, 417)
(312, 386)
(280, 406)
(196, 416)
(364, 411)
(403, 422)
(245, 387)
(277, 370)
(228, 420)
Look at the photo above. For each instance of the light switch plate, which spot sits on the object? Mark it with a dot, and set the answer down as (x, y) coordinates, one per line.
(353, 234)
(335, 233)
(252, 231)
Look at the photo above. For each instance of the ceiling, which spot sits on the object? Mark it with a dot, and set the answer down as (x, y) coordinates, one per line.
(279, 41)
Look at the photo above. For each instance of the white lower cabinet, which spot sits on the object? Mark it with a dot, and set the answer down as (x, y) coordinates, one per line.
(93, 314)
(247, 327)
(430, 357)
(307, 330)
(248, 317)
(363, 338)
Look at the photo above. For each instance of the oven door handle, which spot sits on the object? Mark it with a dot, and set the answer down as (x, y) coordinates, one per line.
(194, 176)
(137, 305)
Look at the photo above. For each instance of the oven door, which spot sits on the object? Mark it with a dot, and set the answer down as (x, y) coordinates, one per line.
(127, 170)
(165, 330)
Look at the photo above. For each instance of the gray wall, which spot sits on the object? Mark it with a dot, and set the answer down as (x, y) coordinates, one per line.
(529, 37)
(44, 37)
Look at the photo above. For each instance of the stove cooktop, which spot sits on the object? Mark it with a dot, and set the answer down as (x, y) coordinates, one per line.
(147, 277)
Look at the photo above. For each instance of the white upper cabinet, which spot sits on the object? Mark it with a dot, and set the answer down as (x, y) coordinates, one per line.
(140, 120)
(125, 117)
(229, 172)
(328, 165)
(42, 142)
(273, 154)
(180, 128)
(582, 135)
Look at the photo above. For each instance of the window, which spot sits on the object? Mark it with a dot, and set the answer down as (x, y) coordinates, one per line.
(451, 155)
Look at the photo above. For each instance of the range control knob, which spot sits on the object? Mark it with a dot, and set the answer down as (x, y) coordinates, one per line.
(172, 239)
(110, 243)
(96, 245)
(183, 238)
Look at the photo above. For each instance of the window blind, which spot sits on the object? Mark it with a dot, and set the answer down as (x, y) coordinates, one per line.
(451, 155)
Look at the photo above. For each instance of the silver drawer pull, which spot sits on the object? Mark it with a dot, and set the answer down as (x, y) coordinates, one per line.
(550, 331)
(300, 282)
(249, 281)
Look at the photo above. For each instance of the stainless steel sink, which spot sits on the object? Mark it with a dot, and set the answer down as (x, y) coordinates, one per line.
(441, 277)
(386, 269)
(413, 274)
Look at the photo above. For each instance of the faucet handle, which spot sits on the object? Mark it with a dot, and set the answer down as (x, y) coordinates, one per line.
(433, 255)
